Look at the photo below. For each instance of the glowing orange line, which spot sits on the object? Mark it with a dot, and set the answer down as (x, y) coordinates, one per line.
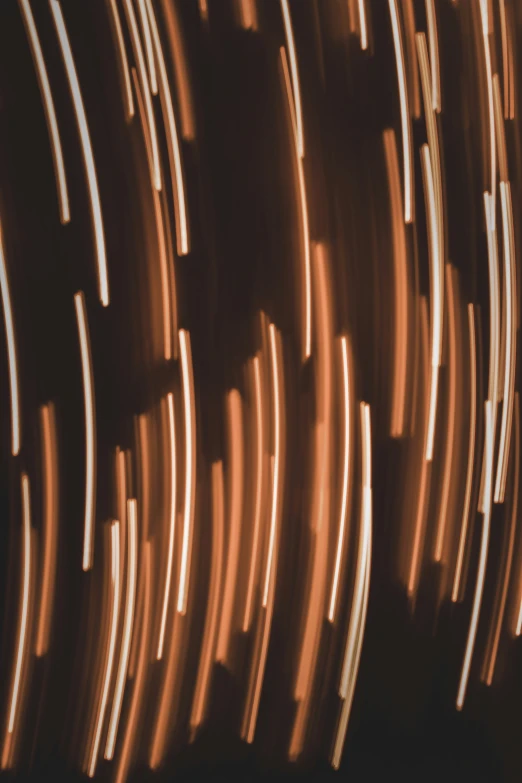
(190, 466)
(11, 352)
(172, 524)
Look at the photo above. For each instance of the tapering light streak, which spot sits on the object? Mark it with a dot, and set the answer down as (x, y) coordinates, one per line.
(123, 60)
(491, 655)
(483, 555)
(259, 491)
(24, 613)
(505, 58)
(277, 461)
(149, 51)
(450, 430)
(248, 14)
(484, 13)
(413, 82)
(173, 148)
(189, 409)
(128, 621)
(436, 296)
(363, 31)
(90, 430)
(214, 593)
(296, 90)
(304, 212)
(88, 157)
(471, 453)
(115, 590)
(50, 113)
(361, 591)
(172, 523)
(400, 362)
(346, 471)
(500, 131)
(510, 287)
(145, 88)
(179, 59)
(138, 690)
(407, 151)
(433, 38)
(12, 356)
(50, 526)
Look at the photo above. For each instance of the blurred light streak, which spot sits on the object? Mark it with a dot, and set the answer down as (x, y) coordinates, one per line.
(172, 523)
(505, 573)
(500, 130)
(136, 703)
(303, 203)
(436, 295)
(90, 429)
(176, 166)
(123, 61)
(347, 450)
(149, 53)
(21, 645)
(510, 288)
(203, 681)
(362, 24)
(471, 453)
(88, 157)
(12, 356)
(236, 451)
(433, 38)
(276, 372)
(189, 409)
(357, 623)
(128, 621)
(248, 14)
(145, 89)
(296, 90)
(407, 152)
(484, 13)
(50, 504)
(177, 50)
(413, 74)
(483, 555)
(400, 262)
(260, 482)
(50, 113)
(115, 594)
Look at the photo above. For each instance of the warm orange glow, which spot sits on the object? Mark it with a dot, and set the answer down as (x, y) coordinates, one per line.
(189, 409)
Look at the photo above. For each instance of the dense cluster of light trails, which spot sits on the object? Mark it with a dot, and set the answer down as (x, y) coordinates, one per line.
(259, 365)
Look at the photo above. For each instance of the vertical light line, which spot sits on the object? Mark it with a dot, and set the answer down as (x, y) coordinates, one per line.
(11, 352)
(124, 63)
(277, 458)
(172, 523)
(289, 33)
(190, 466)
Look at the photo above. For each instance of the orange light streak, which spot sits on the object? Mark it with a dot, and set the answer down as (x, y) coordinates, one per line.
(149, 52)
(407, 151)
(189, 409)
(172, 523)
(294, 70)
(177, 47)
(50, 525)
(123, 60)
(12, 356)
(88, 157)
(433, 38)
(363, 34)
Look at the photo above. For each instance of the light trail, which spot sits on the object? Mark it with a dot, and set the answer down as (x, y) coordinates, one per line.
(12, 355)
(123, 60)
(189, 409)
(362, 24)
(296, 89)
(90, 430)
(433, 38)
(149, 51)
(172, 523)
(50, 113)
(87, 153)
(177, 50)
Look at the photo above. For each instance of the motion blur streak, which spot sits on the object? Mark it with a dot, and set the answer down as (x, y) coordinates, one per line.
(115, 600)
(172, 522)
(407, 154)
(88, 157)
(11, 351)
(128, 621)
(434, 55)
(296, 89)
(177, 51)
(145, 28)
(123, 60)
(49, 439)
(90, 430)
(189, 409)
(361, 590)
(362, 24)
(50, 113)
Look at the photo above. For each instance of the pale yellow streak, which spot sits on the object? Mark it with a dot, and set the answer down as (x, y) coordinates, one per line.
(180, 212)
(172, 524)
(436, 297)
(189, 409)
(362, 24)
(88, 157)
(346, 470)
(304, 212)
(50, 525)
(22, 633)
(116, 587)
(144, 79)
(128, 622)
(277, 461)
(11, 352)
(124, 63)
(50, 113)
(434, 55)
(289, 33)
(144, 20)
(90, 429)
(407, 152)
(481, 572)
(511, 337)
(471, 453)
(260, 459)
